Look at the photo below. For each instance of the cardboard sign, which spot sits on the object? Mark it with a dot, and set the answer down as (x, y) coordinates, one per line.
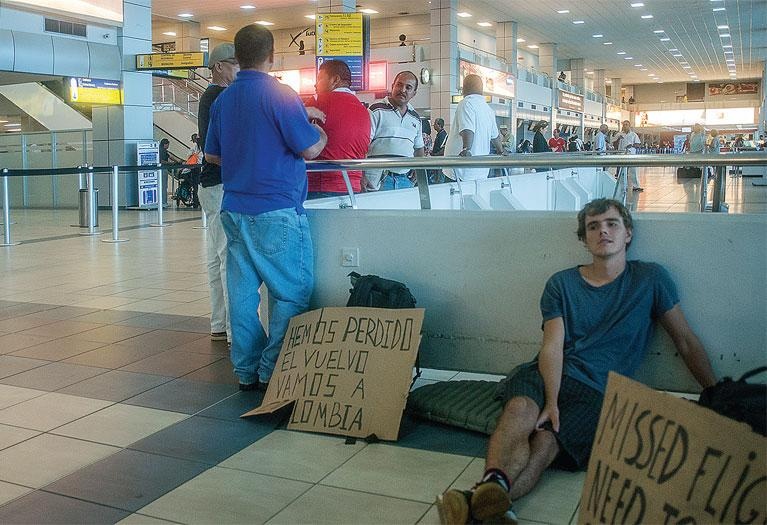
(348, 370)
(659, 459)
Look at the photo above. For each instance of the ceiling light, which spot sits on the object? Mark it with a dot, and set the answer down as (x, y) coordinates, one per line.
(628, 58)
(658, 31)
(563, 11)
(463, 14)
(686, 67)
(169, 33)
(532, 46)
(676, 54)
(310, 17)
(728, 46)
(716, 9)
(725, 26)
(13, 124)
(185, 15)
(646, 17)
(484, 24)
(665, 39)
(263, 23)
(643, 69)
(637, 4)
(578, 22)
(724, 35)
(607, 43)
(651, 74)
(217, 28)
(638, 65)
(520, 40)
(598, 35)
(247, 6)
(368, 11)
(673, 49)
(621, 52)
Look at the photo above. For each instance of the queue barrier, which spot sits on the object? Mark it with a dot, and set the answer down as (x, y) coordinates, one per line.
(420, 164)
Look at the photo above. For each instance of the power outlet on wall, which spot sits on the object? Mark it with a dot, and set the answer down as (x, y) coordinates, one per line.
(350, 257)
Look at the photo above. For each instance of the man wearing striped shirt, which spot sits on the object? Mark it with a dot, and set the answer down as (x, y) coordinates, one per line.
(395, 132)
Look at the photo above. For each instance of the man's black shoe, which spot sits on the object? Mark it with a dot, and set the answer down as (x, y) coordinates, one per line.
(249, 387)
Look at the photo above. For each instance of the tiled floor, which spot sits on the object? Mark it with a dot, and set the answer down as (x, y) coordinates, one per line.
(116, 407)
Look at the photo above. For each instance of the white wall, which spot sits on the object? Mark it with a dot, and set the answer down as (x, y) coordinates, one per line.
(480, 276)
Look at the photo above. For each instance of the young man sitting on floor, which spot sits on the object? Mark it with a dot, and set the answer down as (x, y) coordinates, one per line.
(596, 318)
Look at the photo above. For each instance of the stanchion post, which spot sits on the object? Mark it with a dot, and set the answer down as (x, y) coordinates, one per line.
(115, 199)
(6, 212)
(92, 206)
(160, 198)
(349, 189)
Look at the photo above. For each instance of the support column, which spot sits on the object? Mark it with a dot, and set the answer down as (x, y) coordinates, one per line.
(444, 58)
(336, 6)
(506, 44)
(615, 89)
(117, 129)
(547, 61)
(577, 75)
(762, 123)
(189, 39)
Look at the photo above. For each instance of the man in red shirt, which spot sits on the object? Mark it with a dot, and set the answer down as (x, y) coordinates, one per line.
(557, 143)
(347, 125)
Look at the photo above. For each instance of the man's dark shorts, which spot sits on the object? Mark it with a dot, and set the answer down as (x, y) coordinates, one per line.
(579, 408)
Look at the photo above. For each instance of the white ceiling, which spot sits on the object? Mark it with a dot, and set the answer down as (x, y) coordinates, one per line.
(690, 26)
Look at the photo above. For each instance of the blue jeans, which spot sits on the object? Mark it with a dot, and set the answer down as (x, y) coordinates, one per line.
(274, 248)
(393, 181)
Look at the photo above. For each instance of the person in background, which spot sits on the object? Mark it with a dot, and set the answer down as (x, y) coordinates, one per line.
(572, 145)
(346, 122)
(395, 132)
(472, 130)
(697, 139)
(714, 146)
(166, 157)
(628, 141)
(194, 150)
(260, 135)
(597, 318)
(556, 143)
(223, 69)
(428, 143)
(525, 147)
(440, 139)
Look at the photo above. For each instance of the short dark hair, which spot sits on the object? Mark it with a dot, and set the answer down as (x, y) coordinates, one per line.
(164, 141)
(253, 44)
(425, 126)
(441, 122)
(338, 67)
(598, 207)
(407, 73)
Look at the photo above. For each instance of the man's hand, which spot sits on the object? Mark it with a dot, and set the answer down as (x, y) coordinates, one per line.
(465, 153)
(549, 413)
(315, 114)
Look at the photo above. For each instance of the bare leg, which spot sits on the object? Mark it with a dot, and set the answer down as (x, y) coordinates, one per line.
(509, 446)
(543, 450)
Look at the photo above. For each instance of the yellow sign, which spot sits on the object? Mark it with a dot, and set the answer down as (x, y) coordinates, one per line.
(95, 91)
(339, 35)
(170, 61)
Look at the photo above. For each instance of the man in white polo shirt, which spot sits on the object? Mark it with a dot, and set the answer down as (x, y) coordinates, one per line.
(472, 130)
(396, 131)
(628, 140)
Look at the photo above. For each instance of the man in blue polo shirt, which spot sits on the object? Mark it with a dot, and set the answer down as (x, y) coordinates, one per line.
(260, 135)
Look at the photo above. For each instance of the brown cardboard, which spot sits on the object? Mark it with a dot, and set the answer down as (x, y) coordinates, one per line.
(660, 459)
(348, 370)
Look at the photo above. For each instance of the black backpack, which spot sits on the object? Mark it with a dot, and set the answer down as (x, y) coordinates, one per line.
(739, 400)
(377, 292)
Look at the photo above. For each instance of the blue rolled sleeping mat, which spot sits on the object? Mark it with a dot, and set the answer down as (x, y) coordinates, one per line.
(473, 405)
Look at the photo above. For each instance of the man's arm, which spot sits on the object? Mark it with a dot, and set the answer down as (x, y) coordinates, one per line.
(498, 143)
(316, 148)
(688, 345)
(550, 361)
(418, 152)
(467, 138)
(213, 159)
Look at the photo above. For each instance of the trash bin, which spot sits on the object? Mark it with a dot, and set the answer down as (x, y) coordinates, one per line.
(85, 209)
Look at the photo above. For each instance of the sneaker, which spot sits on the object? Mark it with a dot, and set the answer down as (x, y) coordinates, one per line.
(218, 336)
(489, 501)
(453, 507)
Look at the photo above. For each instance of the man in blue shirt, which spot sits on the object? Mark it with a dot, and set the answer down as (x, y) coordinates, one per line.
(596, 318)
(260, 135)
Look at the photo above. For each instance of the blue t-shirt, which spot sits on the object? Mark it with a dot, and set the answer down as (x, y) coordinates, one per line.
(259, 128)
(608, 327)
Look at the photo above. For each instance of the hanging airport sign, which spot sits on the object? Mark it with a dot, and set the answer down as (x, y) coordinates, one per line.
(346, 371)
(95, 91)
(154, 61)
(570, 101)
(660, 459)
(346, 37)
(493, 81)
